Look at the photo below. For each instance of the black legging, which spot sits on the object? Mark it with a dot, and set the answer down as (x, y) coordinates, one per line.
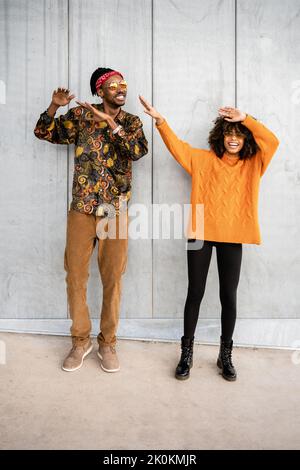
(229, 258)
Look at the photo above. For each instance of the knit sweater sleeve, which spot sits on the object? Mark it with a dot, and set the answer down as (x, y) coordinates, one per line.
(264, 138)
(181, 151)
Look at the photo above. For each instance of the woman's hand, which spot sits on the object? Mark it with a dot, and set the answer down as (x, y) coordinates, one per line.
(232, 114)
(148, 109)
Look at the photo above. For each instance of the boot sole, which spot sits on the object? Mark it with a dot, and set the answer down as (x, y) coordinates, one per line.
(229, 379)
(103, 368)
(182, 378)
(78, 367)
(178, 377)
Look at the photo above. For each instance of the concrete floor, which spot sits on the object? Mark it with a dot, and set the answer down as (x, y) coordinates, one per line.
(144, 406)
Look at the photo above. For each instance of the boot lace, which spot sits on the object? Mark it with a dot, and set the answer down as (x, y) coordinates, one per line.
(227, 356)
(186, 354)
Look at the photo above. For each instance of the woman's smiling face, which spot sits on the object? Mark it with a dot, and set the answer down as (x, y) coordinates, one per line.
(233, 142)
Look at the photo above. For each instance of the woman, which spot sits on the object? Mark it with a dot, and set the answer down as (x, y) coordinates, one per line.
(225, 179)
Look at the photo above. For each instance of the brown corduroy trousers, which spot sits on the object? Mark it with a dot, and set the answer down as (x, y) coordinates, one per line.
(112, 260)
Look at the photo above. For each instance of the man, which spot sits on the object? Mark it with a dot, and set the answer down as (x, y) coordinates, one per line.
(106, 140)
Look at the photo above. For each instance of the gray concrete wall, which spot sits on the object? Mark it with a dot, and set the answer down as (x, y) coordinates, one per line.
(188, 57)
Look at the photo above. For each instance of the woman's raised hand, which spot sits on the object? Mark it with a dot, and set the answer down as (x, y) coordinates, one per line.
(232, 114)
(148, 109)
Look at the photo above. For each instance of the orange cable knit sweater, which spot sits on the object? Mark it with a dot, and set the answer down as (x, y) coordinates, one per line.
(227, 187)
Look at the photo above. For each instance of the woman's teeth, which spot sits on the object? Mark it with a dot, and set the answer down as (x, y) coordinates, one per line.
(233, 144)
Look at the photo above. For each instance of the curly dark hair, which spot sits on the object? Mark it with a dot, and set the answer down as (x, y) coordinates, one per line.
(223, 127)
(95, 75)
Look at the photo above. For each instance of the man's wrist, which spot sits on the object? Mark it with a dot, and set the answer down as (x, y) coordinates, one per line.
(51, 110)
(117, 129)
(112, 124)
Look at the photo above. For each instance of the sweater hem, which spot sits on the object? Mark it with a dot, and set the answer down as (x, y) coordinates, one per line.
(257, 242)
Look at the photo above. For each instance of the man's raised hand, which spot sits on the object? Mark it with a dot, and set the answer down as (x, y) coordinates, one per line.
(97, 115)
(61, 97)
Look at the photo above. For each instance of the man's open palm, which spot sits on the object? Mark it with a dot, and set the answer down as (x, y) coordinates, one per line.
(62, 97)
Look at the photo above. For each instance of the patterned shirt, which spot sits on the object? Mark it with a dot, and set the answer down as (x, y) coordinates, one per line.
(103, 161)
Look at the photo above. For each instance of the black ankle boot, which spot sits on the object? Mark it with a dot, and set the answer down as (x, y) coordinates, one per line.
(186, 360)
(224, 361)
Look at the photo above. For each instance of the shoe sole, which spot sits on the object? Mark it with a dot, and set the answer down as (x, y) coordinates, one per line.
(182, 378)
(178, 377)
(78, 367)
(230, 379)
(106, 370)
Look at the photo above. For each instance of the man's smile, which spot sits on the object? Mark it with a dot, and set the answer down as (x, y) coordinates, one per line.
(120, 97)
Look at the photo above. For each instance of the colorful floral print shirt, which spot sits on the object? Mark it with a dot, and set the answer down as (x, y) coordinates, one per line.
(103, 161)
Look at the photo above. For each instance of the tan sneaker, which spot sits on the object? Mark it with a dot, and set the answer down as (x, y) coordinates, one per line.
(109, 358)
(74, 359)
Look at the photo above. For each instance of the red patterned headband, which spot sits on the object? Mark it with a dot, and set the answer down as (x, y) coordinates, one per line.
(105, 77)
